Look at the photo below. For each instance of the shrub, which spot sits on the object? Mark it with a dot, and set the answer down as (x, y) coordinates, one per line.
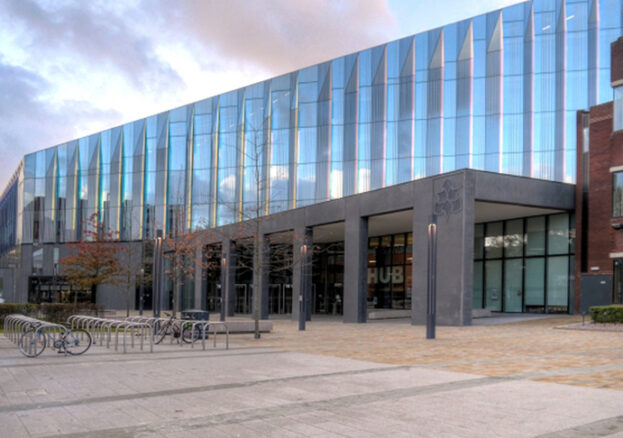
(48, 312)
(611, 313)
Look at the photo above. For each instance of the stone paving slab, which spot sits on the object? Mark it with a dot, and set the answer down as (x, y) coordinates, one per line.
(291, 384)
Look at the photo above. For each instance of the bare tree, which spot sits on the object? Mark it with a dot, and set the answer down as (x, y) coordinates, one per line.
(254, 191)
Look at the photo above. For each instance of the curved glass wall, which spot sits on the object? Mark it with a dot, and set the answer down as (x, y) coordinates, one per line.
(497, 92)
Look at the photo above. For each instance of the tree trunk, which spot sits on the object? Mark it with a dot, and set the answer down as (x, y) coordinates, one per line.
(127, 300)
(174, 299)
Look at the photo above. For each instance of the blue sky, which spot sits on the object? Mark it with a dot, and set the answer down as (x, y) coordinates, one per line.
(69, 68)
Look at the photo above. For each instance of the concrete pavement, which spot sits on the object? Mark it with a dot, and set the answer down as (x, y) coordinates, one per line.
(261, 390)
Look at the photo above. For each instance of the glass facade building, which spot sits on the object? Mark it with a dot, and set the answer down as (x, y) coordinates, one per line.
(496, 92)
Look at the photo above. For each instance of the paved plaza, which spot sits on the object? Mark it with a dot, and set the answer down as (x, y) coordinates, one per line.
(519, 379)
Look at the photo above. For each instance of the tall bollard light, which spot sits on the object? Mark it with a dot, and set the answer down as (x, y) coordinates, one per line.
(141, 294)
(302, 290)
(432, 278)
(157, 280)
(224, 287)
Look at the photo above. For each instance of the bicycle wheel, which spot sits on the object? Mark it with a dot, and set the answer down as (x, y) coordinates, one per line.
(189, 335)
(76, 341)
(161, 333)
(32, 343)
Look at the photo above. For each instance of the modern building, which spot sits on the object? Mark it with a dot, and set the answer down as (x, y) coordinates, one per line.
(599, 196)
(345, 163)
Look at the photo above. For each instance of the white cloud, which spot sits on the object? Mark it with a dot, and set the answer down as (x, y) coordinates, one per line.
(81, 67)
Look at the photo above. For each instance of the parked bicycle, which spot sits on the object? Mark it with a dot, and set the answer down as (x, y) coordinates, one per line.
(38, 336)
(176, 328)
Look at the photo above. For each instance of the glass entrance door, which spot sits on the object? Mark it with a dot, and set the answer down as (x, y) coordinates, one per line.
(493, 285)
(513, 286)
(244, 295)
(280, 298)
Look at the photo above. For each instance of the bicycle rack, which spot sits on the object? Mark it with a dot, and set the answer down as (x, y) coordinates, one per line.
(101, 330)
(16, 324)
(205, 330)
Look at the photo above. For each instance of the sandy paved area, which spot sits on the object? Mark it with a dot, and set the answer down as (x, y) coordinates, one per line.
(534, 348)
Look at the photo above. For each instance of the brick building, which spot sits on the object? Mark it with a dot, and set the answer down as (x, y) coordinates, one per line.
(599, 196)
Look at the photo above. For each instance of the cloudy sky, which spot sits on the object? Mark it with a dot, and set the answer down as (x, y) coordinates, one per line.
(69, 68)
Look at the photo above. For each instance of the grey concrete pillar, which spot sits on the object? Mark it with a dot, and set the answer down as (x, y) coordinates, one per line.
(24, 271)
(302, 248)
(422, 212)
(228, 278)
(451, 199)
(355, 268)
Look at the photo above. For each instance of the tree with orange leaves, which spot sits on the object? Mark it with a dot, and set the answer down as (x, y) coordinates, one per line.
(94, 260)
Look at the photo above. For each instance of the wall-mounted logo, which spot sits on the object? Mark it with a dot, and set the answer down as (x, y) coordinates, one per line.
(448, 200)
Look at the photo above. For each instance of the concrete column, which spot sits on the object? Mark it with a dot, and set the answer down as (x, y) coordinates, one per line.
(422, 212)
(451, 199)
(301, 272)
(355, 268)
(23, 271)
(260, 285)
(228, 278)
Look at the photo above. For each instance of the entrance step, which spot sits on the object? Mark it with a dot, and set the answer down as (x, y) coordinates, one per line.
(388, 313)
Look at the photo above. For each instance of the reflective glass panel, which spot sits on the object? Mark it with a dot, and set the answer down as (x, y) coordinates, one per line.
(479, 231)
(493, 285)
(617, 194)
(534, 278)
(513, 238)
(477, 286)
(535, 236)
(494, 240)
(558, 234)
(513, 285)
(618, 109)
(557, 283)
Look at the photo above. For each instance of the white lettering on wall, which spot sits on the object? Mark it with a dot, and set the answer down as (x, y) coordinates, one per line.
(386, 274)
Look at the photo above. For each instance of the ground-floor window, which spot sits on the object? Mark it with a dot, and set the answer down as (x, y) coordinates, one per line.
(328, 278)
(389, 271)
(524, 265)
(49, 289)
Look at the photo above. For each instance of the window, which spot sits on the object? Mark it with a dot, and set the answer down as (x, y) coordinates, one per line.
(524, 265)
(617, 194)
(37, 261)
(618, 109)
